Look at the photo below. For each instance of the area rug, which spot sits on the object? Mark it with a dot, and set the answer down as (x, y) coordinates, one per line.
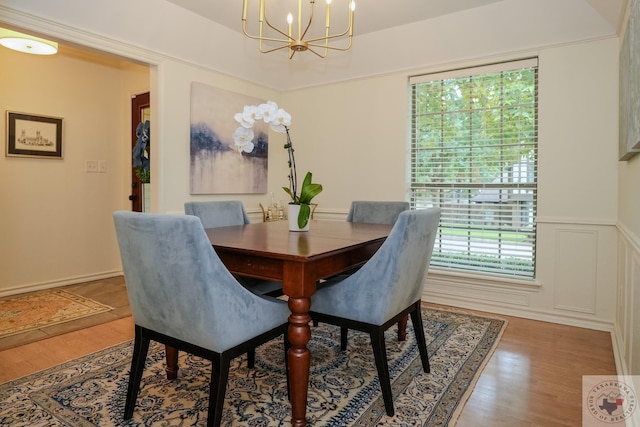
(343, 386)
(36, 310)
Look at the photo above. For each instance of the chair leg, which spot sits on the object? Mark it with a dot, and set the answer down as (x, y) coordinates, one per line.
(251, 358)
(416, 319)
(380, 353)
(343, 338)
(140, 349)
(402, 328)
(217, 389)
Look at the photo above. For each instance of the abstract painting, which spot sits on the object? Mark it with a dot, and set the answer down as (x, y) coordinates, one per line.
(216, 166)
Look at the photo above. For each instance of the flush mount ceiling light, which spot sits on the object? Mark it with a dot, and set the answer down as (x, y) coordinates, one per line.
(314, 36)
(27, 43)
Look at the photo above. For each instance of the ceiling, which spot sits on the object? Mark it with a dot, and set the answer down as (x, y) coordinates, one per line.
(371, 15)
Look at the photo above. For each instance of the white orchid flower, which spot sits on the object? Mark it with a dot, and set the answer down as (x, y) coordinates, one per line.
(248, 116)
(281, 120)
(268, 111)
(243, 138)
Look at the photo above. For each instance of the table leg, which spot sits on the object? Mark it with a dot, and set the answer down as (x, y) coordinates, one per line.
(171, 356)
(299, 358)
(402, 328)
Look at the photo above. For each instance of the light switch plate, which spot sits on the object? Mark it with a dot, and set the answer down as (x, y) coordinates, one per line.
(91, 166)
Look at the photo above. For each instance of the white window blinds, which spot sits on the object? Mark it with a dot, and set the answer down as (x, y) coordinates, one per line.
(474, 154)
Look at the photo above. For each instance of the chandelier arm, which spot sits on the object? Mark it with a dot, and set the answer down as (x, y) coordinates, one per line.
(266, 20)
(271, 39)
(274, 49)
(313, 5)
(333, 36)
(316, 53)
(332, 47)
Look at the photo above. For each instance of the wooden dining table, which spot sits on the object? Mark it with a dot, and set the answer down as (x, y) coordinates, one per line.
(268, 250)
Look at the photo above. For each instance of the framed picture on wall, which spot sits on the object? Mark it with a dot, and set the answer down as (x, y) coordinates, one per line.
(29, 135)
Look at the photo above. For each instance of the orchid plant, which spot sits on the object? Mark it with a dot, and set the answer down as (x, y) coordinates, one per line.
(279, 121)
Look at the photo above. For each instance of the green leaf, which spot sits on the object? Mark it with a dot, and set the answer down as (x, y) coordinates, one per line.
(309, 190)
(288, 191)
(303, 216)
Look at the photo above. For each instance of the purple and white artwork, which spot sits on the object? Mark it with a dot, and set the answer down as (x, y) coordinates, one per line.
(216, 165)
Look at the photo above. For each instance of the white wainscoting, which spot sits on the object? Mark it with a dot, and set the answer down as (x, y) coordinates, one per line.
(627, 331)
(575, 279)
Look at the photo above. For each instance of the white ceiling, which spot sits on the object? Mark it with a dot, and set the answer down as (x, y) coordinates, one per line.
(371, 15)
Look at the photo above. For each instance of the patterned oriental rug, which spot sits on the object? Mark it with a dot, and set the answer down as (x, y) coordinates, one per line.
(35, 310)
(343, 389)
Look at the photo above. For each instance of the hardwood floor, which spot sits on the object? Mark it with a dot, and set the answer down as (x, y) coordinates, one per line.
(534, 378)
(111, 291)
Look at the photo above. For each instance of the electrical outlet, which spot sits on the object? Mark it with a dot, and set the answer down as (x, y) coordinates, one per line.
(91, 166)
(102, 166)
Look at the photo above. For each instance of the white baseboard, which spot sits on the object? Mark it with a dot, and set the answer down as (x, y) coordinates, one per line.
(58, 283)
(618, 353)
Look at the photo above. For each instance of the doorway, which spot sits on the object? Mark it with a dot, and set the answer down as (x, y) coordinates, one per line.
(140, 190)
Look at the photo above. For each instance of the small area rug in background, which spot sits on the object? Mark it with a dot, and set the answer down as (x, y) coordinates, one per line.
(343, 386)
(35, 310)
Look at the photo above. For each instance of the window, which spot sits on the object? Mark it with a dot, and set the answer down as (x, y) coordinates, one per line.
(474, 139)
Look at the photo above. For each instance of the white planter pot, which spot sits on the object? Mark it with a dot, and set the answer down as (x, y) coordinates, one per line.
(294, 210)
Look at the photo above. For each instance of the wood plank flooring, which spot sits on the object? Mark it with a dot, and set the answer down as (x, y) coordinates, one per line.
(533, 379)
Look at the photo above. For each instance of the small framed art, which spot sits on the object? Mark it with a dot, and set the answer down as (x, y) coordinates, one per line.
(29, 135)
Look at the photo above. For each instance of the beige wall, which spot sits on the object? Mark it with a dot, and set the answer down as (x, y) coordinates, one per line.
(353, 137)
(56, 222)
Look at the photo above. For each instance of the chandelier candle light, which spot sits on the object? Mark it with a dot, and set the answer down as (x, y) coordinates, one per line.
(317, 44)
(279, 120)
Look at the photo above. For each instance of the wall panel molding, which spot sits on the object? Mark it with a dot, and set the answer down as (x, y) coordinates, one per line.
(576, 270)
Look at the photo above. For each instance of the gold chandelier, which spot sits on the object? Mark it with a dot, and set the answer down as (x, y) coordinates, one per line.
(320, 44)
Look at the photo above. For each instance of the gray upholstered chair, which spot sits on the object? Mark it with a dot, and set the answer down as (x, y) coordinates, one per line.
(386, 288)
(231, 212)
(376, 212)
(218, 213)
(183, 296)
